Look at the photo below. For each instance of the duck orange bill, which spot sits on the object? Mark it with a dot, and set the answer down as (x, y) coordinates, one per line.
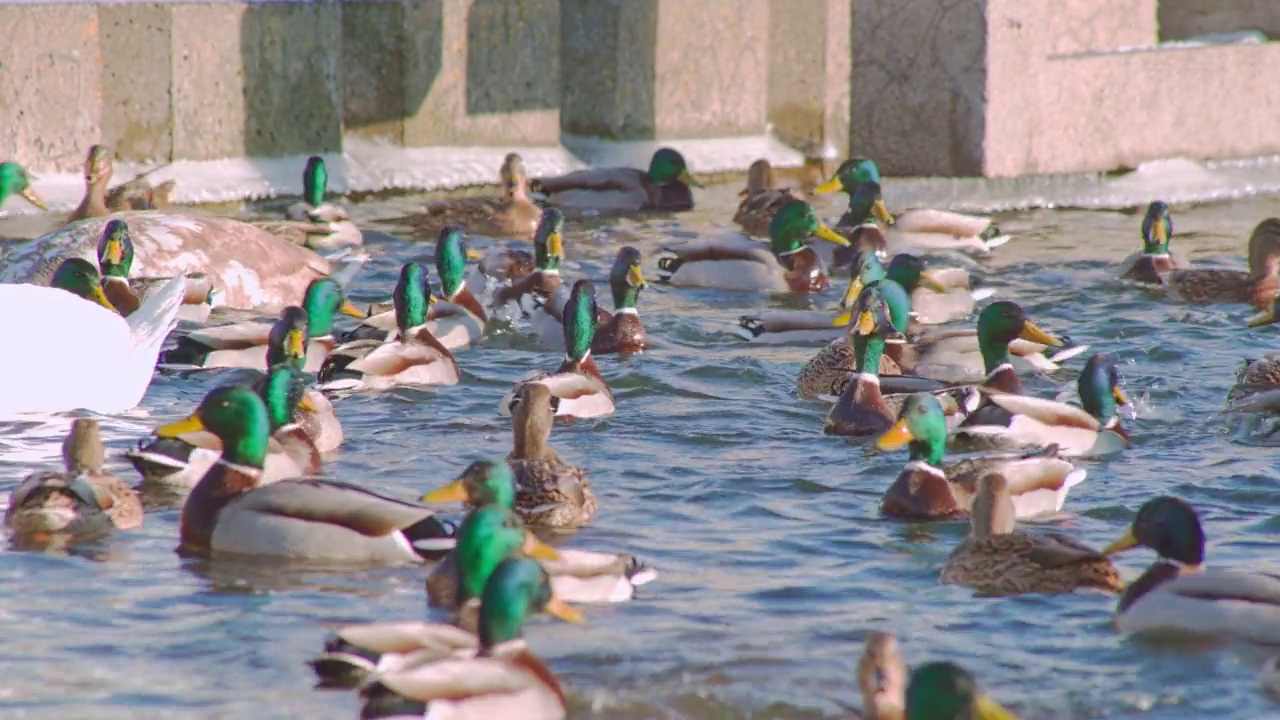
(830, 235)
(535, 548)
(830, 186)
(852, 292)
(881, 212)
(297, 343)
(866, 323)
(1161, 232)
(635, 277)
(474, 254)
(1032, 333)
(101, 298)
(352, 310)
(687, 179)
(1117, 392)
(932, 282)
(453, 492)
(558, 608)
(115, 251)
(989, 709)
(34, 199)
(306, 404)
(1266, 317)
(189, 424)
(1125, 542)
(895, 437)
(555, 245)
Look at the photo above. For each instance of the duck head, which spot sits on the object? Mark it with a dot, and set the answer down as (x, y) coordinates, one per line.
(794, 224)
(668, 165)
(237, 416)
(548, 244)
(14, 180)
(79, 277)
(115, 250)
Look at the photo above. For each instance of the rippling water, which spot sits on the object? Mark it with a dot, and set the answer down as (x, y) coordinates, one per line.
(774, 560)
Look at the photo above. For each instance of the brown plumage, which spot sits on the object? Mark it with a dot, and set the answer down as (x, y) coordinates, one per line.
(512, 214)
(549, 491)
(1259, 286)
(761, 199)
(136, 194)
(830, 370)
(882, 678)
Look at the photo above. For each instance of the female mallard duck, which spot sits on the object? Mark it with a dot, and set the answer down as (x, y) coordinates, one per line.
(946, 691)
(832, 367)
(664, 186)
(245, 344)
(927, 490)
(1257, 388)
(577, 575)
(1258, 287)
(83, 501)
(620, 331)
(957, 357)
(80, 353)
(736, 262)
(504, 680)
(761, 200)
(999, 560)
(882, 678)
(14, 180)
(513, 215)
(1177, 596)
(180, 462)
(1022, 420)
(313, 222)
(548, 491)
(577, 384)
(548, 249)
(231, 511)
(115, 261)
(413, 357)
(1155, 260)
(136, 194)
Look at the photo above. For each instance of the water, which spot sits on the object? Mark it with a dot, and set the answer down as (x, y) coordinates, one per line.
(773, 559)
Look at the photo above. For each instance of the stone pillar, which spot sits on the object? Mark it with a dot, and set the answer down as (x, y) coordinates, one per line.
(809, 71)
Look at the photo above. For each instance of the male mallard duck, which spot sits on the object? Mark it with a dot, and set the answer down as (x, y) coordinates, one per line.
(548, 248)
(115, 261)
(548, 491)
(882, 678)
(504, 680)
(833, 367)
(1258, 287)
(1177, 596)
(957, 357)
(577, 575)
(736, 262)
(82, 501)
(77, 351)
(1009, 419)
(413, 357)
(1155, 260)
(180, 462)
(927, 490)
(14, 179)
(513, 215)
(946, 691)
(664, 186)
(577, 383)
(620, 331)
(313, 222)
(996, 559)
(136, 194)
(245, 344)
(761, 200)
(231, 511)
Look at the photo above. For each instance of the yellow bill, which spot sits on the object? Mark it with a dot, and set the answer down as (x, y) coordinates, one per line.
(474, 254)
(881, 212)
(830, 186)
(34, 199)
(1118, 393)
(115, 251)
(306, 404)
(687, 179)
(297, 343)
(932, 282)
(1125, 542)
(1032, 333)
(989, 709)
(852, 292)
(352, 310)
(895, 437)
(635, 277)
(535, 548)
(555, 245)
(101, 298)
(1160, 232)
(453, 492)
(866, 323)
(843, 319)
(562, 610)
(1266, 317)
(830, 235)
(189, 424)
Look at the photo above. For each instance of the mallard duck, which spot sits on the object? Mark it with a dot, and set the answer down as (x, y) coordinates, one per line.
(761, 199)
(1258, 287)
(1155, 260)
(997, 559)
(245, 344)
(736, 262)
(82, 501)
(1022, 420)
(512, 215)
(832, 367)
(882, 678)
(549, 491)
(248, 267)
(504, 680)
(313, 222)
(577, 575)
(136, 194)
(1257, 387)
(946, 691)
(664, 186)
(1177, 596)
(115, 261)
(14, 180)
(414, 357)
(74, 341)
(620, 331)
(231, 511)
(925, 489)
(988, 356)
(548, 253)
(577, 384)
(180, 462)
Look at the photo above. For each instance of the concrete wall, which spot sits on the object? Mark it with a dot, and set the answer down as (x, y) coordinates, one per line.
(1182, 19)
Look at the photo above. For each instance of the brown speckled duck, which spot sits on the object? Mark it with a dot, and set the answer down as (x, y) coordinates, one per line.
(136, 194)
(511, 215)
(761, 199)
(1258, 287)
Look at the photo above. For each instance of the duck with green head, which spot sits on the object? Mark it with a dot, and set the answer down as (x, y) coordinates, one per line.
(620, 331)
(230, 510)
(504, 679)
(1177, 597)
(946, 691)
(545, 280)
(414, 356)
(663, 187)
(1155, 260)
(577, 575)
(926, 489)
(115, 261)
(1258, 286)
(313, 222)
(15, 180)
(736, 262)
(135, 194)
(1004, 344)
(79, 277)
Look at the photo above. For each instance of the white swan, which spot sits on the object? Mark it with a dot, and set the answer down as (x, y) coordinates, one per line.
(70, 353)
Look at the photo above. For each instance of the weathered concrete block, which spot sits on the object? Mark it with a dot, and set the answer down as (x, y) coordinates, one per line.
(1182, 19)
(209, 104)
(482, 72)
(137, 72)
(374, 43)
(50, 85)
(809, 66)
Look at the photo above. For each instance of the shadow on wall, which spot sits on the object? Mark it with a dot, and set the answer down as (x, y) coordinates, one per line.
(511, 57)
(608, 69)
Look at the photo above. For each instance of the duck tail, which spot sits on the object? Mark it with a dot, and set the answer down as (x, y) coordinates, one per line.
(380, 701)
(749, 327)
(667, 266)
(343, 665)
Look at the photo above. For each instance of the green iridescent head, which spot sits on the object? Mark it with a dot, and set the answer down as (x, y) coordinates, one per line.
(315, 181)
(794, 224)
(1101, 388)
(999, 324)
(668, 165)
(451, 262)
(14, 180)
(866, 268)
(922, 427)
(946, 691)
(866, 206)
(489, 535)
(912, 272)
(850, 174)
(237, 416)
(281, 390)
(287, 342)
(79, 277)
(626, 278)
(323, 300)
(869, 327)
(580, 320)
(412, 297)
(1157, 229)
(484, 482)
(516, 589)
(115, 250)
(1167, 525)
(548, 243)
